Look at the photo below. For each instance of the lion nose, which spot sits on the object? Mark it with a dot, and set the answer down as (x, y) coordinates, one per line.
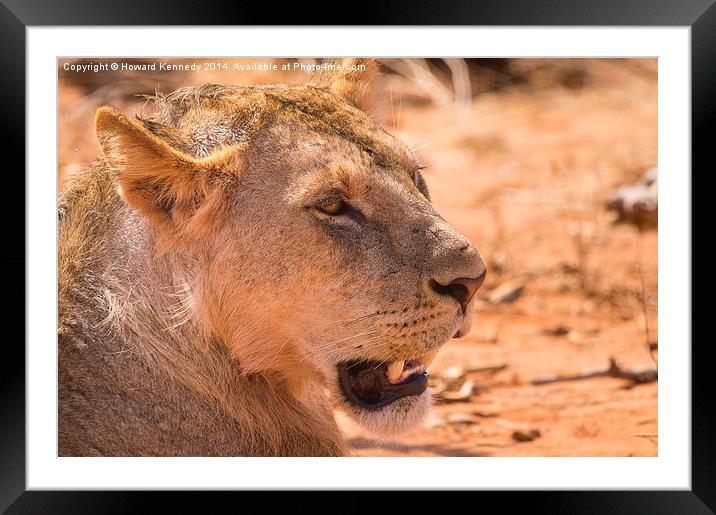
(462, 289)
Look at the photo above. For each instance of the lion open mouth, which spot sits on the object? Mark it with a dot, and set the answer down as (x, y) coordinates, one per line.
(373, 385)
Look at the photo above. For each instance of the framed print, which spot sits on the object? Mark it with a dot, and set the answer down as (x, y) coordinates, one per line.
(425, 257)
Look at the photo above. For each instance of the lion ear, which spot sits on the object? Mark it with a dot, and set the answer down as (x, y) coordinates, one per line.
(356, 81)
(162, 183)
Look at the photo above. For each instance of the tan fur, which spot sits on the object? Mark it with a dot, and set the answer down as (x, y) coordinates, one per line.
(357, 82)
(204, 299)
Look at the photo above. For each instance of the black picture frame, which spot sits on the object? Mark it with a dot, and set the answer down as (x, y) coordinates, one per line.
(17, 15)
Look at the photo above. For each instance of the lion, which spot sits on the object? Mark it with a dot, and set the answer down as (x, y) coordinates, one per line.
(243, 261)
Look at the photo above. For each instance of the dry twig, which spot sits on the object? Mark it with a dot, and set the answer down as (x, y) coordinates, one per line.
(614, 370)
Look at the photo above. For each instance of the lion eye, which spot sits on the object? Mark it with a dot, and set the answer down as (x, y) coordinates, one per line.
(335, 208)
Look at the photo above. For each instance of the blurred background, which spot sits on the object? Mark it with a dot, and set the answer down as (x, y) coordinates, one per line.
(549, 167)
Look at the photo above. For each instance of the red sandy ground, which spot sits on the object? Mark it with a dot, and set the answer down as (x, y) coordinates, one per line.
(518, 175)
(524, 174)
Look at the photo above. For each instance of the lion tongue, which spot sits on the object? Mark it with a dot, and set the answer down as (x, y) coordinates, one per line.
(395, 370)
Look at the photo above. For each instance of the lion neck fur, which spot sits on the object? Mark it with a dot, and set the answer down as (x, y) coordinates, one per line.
(148, 308)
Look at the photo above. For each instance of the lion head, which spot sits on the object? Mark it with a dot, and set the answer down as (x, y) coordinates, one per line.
(305, 234)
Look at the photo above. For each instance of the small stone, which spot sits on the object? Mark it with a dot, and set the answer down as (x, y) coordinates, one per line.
(625, 315)
(435, 422)
(461, 418)
(506, 293)
(526, 436)
(568, 268)
(453, 372)
(436, 385)
(558, 330)
(489, 335)
(637, 203)
(575, 337)
(498, 262)
(463, 394)
(485, 414)
(563, 287)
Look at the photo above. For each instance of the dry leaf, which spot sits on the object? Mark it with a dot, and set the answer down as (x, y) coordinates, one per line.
(461, 395)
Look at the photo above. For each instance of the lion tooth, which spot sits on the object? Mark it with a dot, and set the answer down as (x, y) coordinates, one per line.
(428, 358)
(395, 370)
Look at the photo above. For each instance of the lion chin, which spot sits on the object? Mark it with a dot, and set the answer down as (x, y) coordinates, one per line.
(387, 397)
(394, 419)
